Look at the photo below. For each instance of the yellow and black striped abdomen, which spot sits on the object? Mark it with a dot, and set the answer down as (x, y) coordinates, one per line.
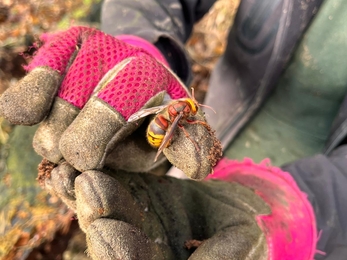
(156, 130)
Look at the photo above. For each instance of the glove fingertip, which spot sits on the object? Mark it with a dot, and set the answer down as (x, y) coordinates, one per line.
(29, 101)
(194, 150)
(112, 239)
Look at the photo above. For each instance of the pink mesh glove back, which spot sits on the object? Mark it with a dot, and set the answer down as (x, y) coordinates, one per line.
(139, 76)
(95, 83)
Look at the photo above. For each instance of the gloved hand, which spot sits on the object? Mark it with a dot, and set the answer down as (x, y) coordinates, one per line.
(84, 85)
(245, 211)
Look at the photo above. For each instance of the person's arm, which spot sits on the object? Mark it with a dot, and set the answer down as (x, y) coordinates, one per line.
(324, 180)
(167, 24)
(153, 19)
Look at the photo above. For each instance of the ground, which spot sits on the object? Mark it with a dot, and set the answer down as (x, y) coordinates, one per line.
(21, 22)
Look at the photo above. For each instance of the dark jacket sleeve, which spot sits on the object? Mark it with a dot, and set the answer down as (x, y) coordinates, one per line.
(166, 23)
(324, 180)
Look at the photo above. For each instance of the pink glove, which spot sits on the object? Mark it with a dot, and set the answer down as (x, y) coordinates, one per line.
(290, 230)
(243, 211)
(95, 82)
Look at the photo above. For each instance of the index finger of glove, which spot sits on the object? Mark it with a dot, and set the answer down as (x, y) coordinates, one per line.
(29, 101)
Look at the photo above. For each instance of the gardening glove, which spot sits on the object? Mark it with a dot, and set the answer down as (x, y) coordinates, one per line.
(83, 85)
(244, 211)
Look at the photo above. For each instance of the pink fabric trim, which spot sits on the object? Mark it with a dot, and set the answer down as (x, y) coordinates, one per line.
(291, 227)
(142, 43)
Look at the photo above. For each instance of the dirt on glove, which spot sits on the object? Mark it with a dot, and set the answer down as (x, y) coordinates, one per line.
(44, 171)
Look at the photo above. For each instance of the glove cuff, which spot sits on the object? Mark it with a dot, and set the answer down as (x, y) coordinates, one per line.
(290, 229)
(146, 45)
